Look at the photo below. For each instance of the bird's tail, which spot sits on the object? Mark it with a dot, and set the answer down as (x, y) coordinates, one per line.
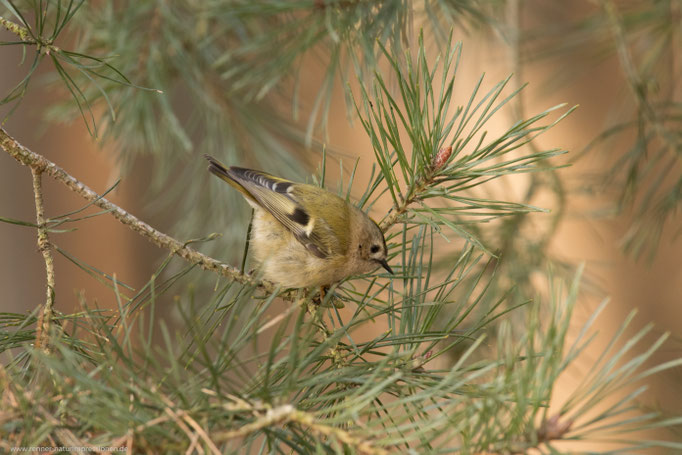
(216, 168)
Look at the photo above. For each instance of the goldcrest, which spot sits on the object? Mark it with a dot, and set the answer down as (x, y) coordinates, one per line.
(303, 235)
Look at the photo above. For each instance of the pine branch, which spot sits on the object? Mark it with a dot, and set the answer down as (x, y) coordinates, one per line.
(287, 414)
(421, 185)
(67, 64)
(40, 164)
(318, 381)
(44, 246)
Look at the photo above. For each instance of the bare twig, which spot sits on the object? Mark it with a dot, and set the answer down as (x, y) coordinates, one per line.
(288, 414)
(201, 432)
(180, 415)
(193, 437)
(127, 438)
(38, 162)
(45, 318)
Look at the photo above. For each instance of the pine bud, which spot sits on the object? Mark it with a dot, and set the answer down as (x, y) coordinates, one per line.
(441, 157)
(554, 428)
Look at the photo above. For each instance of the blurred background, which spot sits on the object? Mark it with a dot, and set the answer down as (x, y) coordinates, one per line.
(615, 208)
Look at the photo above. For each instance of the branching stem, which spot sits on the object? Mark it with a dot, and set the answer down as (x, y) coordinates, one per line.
(45, 318)
(37, 162)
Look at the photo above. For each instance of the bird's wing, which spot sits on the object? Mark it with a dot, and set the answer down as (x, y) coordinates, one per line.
(275, 195)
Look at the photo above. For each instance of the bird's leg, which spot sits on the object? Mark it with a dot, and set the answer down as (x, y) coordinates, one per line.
(319, 299)
(334, 300)
(248, 240)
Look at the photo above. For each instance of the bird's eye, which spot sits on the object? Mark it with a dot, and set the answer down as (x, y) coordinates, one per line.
(374, 249)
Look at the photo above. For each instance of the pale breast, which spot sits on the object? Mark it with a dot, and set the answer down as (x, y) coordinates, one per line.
(284, 260)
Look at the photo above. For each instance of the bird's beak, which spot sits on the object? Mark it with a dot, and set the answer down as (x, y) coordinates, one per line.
(385, 265)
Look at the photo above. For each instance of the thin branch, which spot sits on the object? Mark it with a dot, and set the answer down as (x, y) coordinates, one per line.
(45, 318)
(288, 414)
(202, 433)
(399, 210)
(421, 185)
(193, 437)
(40, 164)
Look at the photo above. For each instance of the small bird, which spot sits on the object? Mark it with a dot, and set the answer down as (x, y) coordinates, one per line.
(303, 235)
